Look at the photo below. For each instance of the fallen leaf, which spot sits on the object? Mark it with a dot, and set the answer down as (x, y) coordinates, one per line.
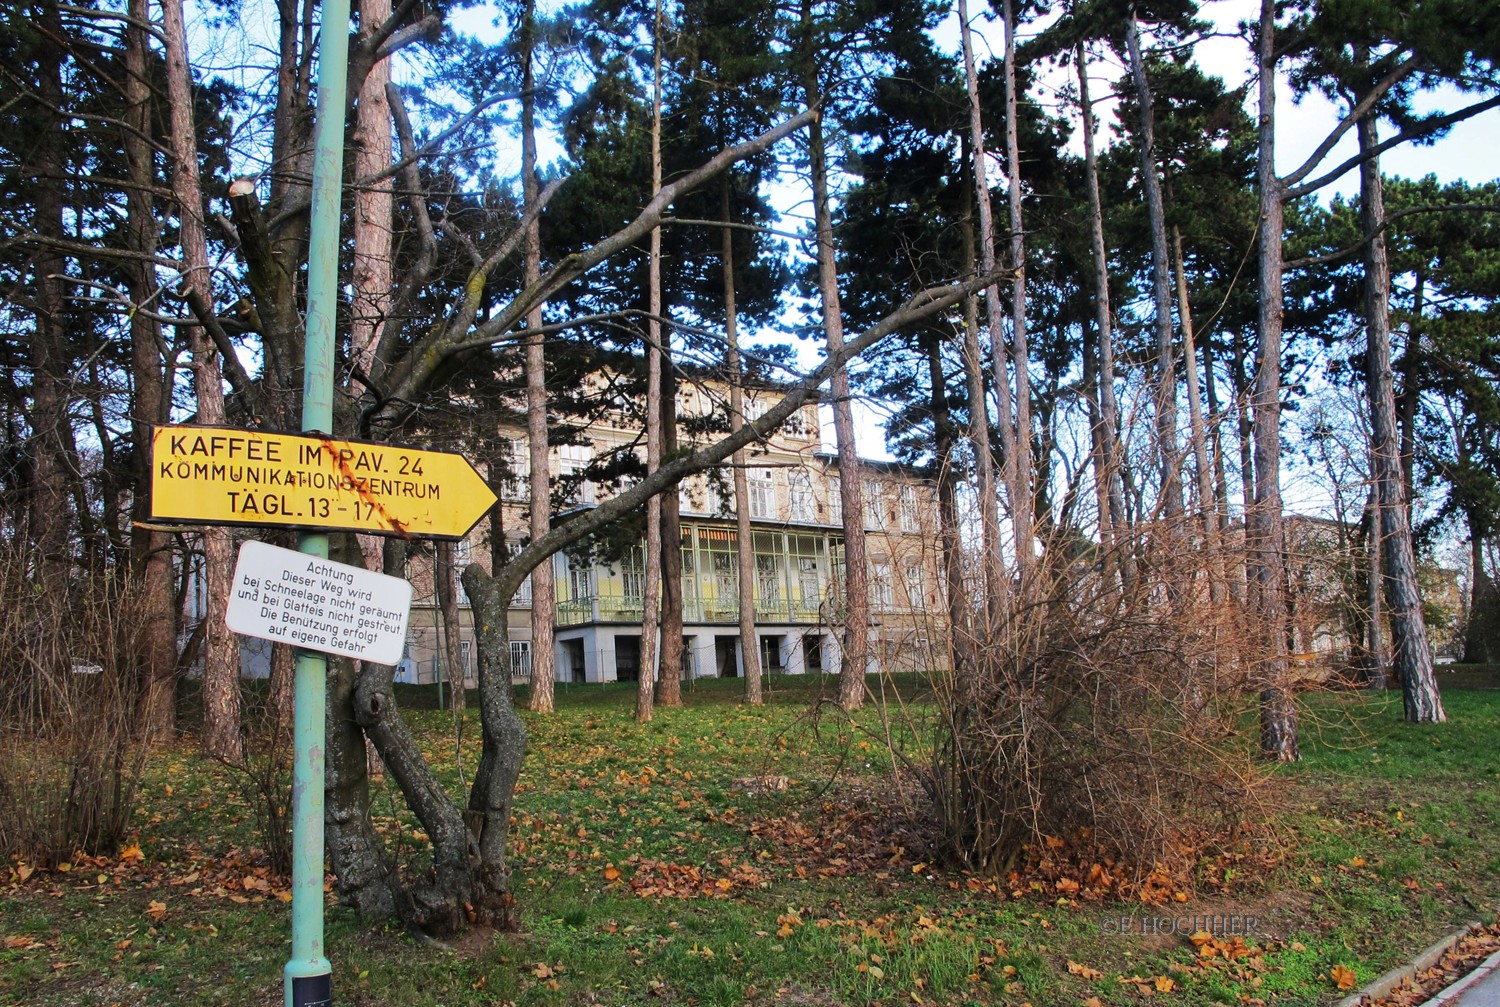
(1342, 976)
(1164, 984)
(1083, 970)
(156, 910)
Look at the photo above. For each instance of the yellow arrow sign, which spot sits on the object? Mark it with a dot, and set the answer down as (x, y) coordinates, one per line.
(247, 477)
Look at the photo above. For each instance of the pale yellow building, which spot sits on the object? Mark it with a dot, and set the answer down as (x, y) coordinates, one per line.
(796, 521)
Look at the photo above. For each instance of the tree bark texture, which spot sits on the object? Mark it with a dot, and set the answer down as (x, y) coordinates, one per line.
(1411, 654)
(1109, 453)
(151, 550)
(221, 654)
(1168, 456)
(1264, 527)
(856, 643)
(645, 695)
(543, 595)
(991, 559)
(744, 535)
(1018, 454)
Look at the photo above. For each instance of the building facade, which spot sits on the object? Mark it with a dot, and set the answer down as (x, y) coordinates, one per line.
(798, 552)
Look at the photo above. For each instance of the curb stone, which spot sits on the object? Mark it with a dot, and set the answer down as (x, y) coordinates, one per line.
(1382, 986)
(1454, 993)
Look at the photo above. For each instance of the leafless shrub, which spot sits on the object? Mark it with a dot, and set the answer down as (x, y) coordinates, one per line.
(1092, 712)
(70, 757)
(264, 770)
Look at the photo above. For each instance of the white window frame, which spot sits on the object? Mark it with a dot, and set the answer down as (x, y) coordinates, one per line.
(910, 511)
(762, 488)
(799, 495)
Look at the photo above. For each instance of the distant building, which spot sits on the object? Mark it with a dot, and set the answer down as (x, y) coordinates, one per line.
(796, 519)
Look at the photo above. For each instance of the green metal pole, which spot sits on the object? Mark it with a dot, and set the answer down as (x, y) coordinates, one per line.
(308, 975)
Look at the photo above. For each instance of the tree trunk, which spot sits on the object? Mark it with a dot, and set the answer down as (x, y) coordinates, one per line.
(151, 551)
(371, 277)
(1377, 662)
(1482, 627)
(221, 661)
(1110, 489)
(745, 536)
(1167, 454)
(669, 681)
(1265, 538)
(49, 511)
(996, 586)
(1018, 455)
(856, 650)
(543, 606)
(960, 630)
(445, 585)
(1411, 657)
(1207, 501)
(650, 615)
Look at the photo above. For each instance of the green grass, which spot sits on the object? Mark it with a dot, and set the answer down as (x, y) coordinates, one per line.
(1382, 839)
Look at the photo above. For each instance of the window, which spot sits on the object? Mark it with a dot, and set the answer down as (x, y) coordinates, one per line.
(726, 578)
(755, 408)
(835, 501)
(874, 503)
(916, 590)
(808, 589)
(520, 658)
(517, 484)
(523, 594)
(762, 493)
(463, 554)
(768, 580)
(799, 495)
(713, 493)
(580, 584)
(797, 425)
(881, 595)
(574, 460)
(634, 577)
(909, 514)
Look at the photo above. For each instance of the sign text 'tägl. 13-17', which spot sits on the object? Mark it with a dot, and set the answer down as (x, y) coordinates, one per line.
(250, 477)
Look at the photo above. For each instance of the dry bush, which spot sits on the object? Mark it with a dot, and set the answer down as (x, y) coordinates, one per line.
(1097, 716)
(69, 683)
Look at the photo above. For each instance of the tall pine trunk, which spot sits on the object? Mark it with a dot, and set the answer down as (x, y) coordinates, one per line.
(1208, 507)
(645, 695)
(991, 562)
(1411, 655)
(1264, 527)
(856, 649)
(151, 550)
(1167, 455)
(221, 660)
(543, 595)
(745, 536)
(1018, 453)
(1108, 452)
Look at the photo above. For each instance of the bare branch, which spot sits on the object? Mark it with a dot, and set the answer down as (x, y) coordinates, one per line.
(1427, 128)
(1391, 218)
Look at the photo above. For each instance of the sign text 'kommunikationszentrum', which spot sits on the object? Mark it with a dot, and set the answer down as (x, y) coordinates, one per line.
(250, 477)
(317, 604)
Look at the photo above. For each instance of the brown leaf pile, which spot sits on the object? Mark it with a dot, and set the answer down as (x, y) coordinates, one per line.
(1473, 948)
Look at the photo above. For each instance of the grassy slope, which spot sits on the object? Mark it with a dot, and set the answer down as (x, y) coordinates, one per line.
(1385, 839)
